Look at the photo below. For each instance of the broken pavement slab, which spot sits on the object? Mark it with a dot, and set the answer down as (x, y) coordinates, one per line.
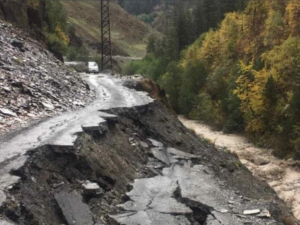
(185, 190)
(163, 155)
(91, 188)
(156, 143)
(251, 212)
(73, 209)
(150, 218)
(181, 155)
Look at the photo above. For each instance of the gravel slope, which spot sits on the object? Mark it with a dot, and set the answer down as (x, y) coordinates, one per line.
(33, 83)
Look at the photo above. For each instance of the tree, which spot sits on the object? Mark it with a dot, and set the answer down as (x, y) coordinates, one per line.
(193, 79)
(292, 17)
(171, 82)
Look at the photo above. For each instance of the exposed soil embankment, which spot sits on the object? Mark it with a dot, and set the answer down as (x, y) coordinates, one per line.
(84, 183)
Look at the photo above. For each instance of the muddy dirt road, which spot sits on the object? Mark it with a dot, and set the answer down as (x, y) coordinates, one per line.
(281, 175)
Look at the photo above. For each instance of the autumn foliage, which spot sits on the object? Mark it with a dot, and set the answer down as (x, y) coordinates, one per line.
(253, 65)
(245, 75)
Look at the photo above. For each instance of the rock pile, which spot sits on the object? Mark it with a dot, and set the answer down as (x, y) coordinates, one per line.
(33, 83)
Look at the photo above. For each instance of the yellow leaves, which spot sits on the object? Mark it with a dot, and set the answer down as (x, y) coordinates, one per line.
(230, 27)
(34, 4)
(210, 48)
(191, 54)
(274, 28)
(292, 17)
(250, 90)
(256, 125)
(283, 61)
(62, 35)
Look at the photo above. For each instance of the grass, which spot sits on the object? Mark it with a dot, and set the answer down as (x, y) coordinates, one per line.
(18, 61)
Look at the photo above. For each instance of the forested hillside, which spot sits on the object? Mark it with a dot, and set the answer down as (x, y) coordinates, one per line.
(243, 76)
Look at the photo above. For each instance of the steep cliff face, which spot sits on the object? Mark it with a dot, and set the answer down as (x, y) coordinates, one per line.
(1, 13)
(15, 12)
(33, 83)
(27, 15)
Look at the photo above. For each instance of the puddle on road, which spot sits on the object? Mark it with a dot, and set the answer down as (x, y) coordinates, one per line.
(279, 174)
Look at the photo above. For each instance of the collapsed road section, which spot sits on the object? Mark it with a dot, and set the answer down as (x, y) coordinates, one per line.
(132, 162)
(186, 192)
(62, 130)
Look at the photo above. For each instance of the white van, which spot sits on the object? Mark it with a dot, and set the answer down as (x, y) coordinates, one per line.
(92, 67)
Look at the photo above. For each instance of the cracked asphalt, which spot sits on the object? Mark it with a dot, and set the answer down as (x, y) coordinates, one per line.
(184, 189)
(61, 130)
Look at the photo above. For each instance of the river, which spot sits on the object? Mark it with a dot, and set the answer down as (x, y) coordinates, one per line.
(282, 175)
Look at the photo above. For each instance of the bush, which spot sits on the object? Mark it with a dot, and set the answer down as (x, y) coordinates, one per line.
(171, 82)
(131, 68)
(150, 66)
(204, 109)
(56, 44)
(146, 18)
(78, 54)
(55, 27)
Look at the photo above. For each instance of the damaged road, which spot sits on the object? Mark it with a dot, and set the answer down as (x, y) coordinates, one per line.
(186, 193)
(62, 130)
(126, 159)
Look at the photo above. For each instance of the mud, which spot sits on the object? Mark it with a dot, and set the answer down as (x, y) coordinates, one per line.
(113, 156)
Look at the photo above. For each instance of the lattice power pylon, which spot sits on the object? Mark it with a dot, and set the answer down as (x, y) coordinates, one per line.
(106, 61)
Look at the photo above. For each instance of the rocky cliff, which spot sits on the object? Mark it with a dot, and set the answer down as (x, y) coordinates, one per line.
(33, 83)
(15, 12)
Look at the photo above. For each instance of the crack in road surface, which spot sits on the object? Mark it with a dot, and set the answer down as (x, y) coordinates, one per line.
(185, 194)
(61, 130)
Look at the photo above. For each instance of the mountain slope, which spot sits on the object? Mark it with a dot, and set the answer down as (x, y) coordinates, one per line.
(33, 83)
(129, 35)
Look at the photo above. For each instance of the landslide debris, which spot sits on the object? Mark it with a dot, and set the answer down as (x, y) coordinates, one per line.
(33, 83)
(54, 179)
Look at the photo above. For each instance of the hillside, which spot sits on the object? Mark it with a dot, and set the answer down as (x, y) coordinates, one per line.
(33, 83)
(129, 35)
(241, 77)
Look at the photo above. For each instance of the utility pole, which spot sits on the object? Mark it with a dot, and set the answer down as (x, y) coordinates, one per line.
(106, 60)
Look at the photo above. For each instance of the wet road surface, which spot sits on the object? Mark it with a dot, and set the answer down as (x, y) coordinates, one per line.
(61, 130)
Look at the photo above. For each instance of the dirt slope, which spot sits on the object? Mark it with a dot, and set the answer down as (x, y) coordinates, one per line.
(129, 35)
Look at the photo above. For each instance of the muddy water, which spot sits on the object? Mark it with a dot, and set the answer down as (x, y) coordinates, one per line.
(282, 176)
